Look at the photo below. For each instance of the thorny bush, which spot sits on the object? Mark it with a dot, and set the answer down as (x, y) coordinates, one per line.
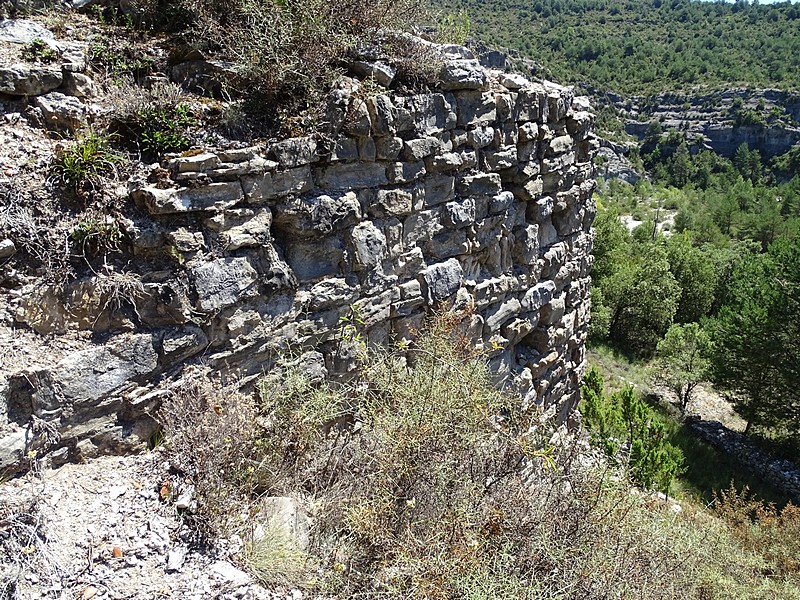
(427, 482)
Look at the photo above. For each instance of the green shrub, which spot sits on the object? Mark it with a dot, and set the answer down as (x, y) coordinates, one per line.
(454, 28)
(80, 167)
(162, 130)
(94, 235)
(153, 121)
(653, 461)
(38, 51)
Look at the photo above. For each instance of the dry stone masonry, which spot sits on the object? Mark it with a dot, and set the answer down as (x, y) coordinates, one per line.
(474, 197)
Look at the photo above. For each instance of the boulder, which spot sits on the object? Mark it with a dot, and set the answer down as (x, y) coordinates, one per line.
(27, 80)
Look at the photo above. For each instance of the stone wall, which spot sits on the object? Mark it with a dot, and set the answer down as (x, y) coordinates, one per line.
(476, 197)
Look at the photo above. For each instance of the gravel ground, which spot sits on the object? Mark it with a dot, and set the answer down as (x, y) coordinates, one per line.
(100, 530)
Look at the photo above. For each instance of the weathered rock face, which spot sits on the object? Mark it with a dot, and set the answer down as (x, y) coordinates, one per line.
(709, 122)
(476, 197)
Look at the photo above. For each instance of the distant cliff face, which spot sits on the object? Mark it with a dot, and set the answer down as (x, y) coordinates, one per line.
(475, 197)
(765, 120)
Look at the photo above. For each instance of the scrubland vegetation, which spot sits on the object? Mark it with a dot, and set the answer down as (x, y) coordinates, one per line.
(424, 481)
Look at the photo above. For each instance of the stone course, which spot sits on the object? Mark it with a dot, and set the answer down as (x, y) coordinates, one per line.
(476, 196)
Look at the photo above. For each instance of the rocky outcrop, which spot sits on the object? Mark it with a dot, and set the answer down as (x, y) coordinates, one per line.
(710, 120)
(474, 197)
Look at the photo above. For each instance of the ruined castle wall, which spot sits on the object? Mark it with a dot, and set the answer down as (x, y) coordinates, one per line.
(476, 196)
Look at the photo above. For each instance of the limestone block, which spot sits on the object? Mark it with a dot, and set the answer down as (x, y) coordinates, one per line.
(366, 149)
(334, 291)
(381, 113)
(505, 106)
(450, 161)
(223, 282)
(292, 181)
(369, 246)
(518, 328)
(211, 197)
(501, 314)
(179, 344)
(500, 203)
(541, 209)
(27, 80)
(258, 188)
(540, 364)
(317, 215)
(410, 289)
(79, 85)
(381, 73)
(579, 124)
(441, 280)
(7, 248)
(531, 104)
(396, 203)
(417, 149)
(312, 259)
(481, 137)
(447, 244)
(404, 172)
(426, 114)
(62, 112)
(552, 312)
(346, 148)
(352, 176)
(459, 214)
(184, 240)
(237, 155)
(569, 221)
(463, 74)
(526, 245)
(528, 132)
(439, 188)
(91, 374)
(193, 164)
(559, 145)
(475, 108)
(505, 158)
(421, 225)
(377, 309)
(482, 184)
(357, 122)
(295, 152)
(539, 295)
(513, 81)
(558, 103)
(243, 228)
(388, 147)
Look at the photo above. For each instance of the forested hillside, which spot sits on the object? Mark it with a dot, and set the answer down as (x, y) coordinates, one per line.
(642, 46)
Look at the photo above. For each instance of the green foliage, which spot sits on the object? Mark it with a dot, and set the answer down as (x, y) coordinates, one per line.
(643, 297)
(38, 51)
(81, 166)
(640, 46)
(653, 461)
(95, 235)
(695, 271)
(682, 361)
(454, 28)
(757, 337)
(116, 56)
(163, 130)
